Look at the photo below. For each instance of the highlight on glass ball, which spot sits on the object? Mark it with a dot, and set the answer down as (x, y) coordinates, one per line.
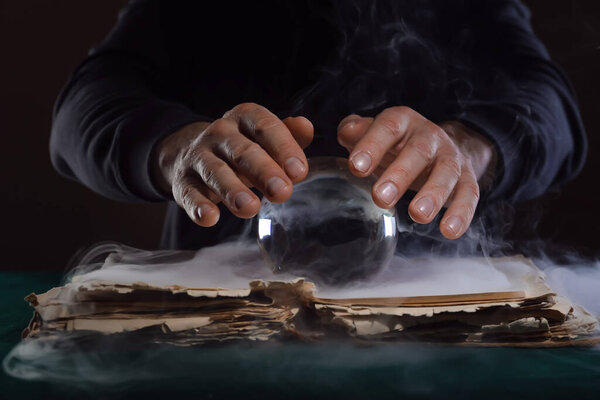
(330, 230)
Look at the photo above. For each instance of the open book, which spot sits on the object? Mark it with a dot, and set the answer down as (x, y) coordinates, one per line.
(205, 299)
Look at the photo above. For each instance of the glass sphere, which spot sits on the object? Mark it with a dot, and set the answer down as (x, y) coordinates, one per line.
(330, 230)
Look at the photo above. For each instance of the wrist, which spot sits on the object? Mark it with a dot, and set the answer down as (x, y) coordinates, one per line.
(166, 152)
(480, 151)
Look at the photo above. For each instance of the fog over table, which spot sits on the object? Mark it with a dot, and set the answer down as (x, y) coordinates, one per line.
(321, 269)
(145, 354)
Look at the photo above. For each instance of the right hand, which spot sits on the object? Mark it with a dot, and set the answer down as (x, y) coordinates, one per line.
(205, 163)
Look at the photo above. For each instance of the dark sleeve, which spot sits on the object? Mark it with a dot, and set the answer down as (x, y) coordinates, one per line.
(522, 103)
(117, 105)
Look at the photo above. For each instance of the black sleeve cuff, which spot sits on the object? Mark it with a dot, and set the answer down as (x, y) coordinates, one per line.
(503, 129)
(144, 128)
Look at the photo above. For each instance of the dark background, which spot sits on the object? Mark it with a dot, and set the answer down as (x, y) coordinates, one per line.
(46, 218)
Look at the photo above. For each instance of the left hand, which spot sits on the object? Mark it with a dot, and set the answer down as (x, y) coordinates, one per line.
(443, 163)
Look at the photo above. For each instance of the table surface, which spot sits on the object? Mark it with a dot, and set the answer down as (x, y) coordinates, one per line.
(293, 370)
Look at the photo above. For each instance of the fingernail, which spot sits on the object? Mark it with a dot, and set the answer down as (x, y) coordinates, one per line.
(455, 224)
(242, 199)
(275, 185)
(200, 212)
(294, 167)
(361, 161)
(203, 210)
(425, 206)
(387, 192)
(349, 123)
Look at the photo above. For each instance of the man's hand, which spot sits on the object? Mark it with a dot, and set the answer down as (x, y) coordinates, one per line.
(203, 163)
(405, 150)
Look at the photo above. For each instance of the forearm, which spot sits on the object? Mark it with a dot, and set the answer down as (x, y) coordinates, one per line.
(538, 136)
(521, 103)
(118, 104)
(105, 125)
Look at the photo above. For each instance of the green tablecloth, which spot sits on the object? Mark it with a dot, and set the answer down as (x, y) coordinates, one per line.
(296, 370)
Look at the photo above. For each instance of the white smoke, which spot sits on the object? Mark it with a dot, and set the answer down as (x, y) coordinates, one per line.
(110, 367)
(235, 264)
(579, 282)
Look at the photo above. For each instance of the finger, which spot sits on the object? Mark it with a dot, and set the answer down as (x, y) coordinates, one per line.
(244, 180)
(385, 162)
(213, 136)
(351, 129)
(263, 127)
(459, 215)
(387, 129)
(193, 196)
(414, 158)
(251, 161)
(437, 189)
(221, 179)
(301, 128)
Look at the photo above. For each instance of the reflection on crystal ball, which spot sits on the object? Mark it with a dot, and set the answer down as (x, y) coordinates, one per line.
(330, 230)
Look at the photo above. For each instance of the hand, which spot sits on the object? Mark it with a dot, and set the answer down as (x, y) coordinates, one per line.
(405, 150)
(203, 163)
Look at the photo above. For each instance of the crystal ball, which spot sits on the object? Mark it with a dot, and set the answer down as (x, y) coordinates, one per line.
(330, 230)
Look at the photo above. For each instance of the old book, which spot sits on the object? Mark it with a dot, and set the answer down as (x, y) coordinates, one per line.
(475, 302)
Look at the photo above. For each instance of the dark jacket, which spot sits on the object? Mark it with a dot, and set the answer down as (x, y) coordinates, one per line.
(168, 63)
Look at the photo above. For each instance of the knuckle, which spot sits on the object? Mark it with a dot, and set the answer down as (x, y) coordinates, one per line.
(452, 165)
(205, 170)
(389, 126)
(472, 189)
(179, 174)
(263, 124)
(210, 134)
(184, 196)
(187, 154)
(177, 193)
(218, 125)
(401, 173)
(437, 131)
(244, 152)
(245, 108)
(192, 156)
(192, 152)
(186, 192)
(213, 175)
(402, 110)
(468, 166)
(440, 192)
(209, 176)
(424, 148)
(469, 210)
(403, 115)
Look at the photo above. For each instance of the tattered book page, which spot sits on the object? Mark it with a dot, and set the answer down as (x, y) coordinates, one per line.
(233, 295)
